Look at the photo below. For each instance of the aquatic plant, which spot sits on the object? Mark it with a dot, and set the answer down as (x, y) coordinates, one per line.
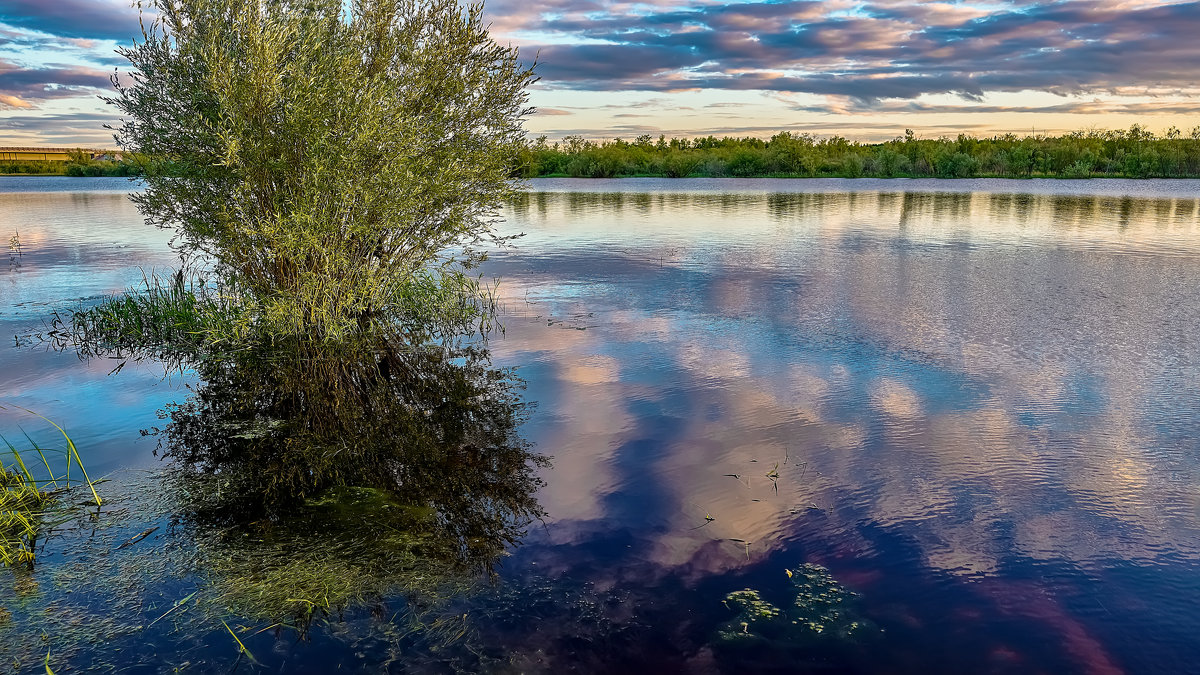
(755, 615)
(21, 504)
(821, 611)
(184, 318)
(174, 317)
(347, 548)
(29, 504)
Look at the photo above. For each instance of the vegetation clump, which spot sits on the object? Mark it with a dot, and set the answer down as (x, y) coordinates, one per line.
(29, 496)
(80, 164)
(821, 611)
(1132, 153)
(21, 505)
(331, 162)
(173, 317)
(754, 615)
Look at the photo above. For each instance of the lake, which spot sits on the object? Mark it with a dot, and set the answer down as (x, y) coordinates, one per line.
(905, 426)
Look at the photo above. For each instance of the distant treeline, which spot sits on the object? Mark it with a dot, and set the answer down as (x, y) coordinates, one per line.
(80, 164)
(1132, 153)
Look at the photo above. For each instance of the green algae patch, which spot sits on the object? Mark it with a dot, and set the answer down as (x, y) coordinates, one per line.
(755, 617)
(823, 606)
(821, 614)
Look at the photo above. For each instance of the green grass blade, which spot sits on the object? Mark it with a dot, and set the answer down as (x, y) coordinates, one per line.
(72, 451)
(241, 646)
(20, 462)
(45, 462)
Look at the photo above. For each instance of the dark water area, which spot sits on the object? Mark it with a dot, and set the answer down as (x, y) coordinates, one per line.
(942, 426)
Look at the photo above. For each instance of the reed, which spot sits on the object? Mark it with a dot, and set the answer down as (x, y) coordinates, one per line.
(182, 317)
(30, 491)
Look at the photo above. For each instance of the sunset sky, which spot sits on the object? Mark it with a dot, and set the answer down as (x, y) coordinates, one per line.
(865, 70)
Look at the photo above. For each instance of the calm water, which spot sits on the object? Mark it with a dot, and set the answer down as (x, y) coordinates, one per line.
(975, 403)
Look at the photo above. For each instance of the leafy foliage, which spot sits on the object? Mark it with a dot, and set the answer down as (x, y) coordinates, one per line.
(325, 160)
(1133, 153)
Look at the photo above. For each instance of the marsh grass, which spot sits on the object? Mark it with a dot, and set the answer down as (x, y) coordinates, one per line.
(21, 508)
(182, 317)
(176, 314)
(30, 491)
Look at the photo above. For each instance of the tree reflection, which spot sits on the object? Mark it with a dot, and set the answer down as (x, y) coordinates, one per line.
(316, 486)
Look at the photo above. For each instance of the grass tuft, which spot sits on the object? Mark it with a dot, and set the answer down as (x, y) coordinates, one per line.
(177, 313)
(29, 502)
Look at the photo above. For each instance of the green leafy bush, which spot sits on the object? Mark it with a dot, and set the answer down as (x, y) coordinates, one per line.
(323, 158)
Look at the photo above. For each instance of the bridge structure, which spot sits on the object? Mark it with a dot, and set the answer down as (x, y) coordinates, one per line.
(16, 154)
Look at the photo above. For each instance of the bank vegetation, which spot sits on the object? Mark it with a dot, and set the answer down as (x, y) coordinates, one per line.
(1122, 153)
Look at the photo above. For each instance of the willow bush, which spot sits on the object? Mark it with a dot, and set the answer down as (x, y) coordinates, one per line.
(327, 161)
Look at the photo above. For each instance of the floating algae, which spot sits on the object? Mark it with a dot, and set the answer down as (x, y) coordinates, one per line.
(821, 614)
(755, 616)
(348, 547)
(821, 604)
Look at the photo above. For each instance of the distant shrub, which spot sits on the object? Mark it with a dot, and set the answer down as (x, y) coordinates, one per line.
(678, 164)
(1080, 169)
(746, 163)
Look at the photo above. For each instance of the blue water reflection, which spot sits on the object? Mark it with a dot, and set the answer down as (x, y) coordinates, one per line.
(81, 240)
(981, 405)
(975, 402)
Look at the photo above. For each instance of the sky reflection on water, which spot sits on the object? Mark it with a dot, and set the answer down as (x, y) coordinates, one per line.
(979, 409)
(82, 240)
(994, 392)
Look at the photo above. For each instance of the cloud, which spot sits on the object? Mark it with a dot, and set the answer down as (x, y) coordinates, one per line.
(871, 52)
(1093, 107)
(863, 131)
(84, 19)
(85, 129)
(9, 101)
(862, 56)
(22, 87)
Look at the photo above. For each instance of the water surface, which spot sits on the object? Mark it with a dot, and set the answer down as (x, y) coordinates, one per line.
(973, 402)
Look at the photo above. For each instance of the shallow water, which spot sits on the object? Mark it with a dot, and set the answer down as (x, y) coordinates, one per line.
(973, 402)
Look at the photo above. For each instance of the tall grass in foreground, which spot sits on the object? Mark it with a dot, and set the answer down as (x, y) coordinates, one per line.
(30, 486)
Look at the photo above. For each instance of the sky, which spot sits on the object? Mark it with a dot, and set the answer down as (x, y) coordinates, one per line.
(611, 69)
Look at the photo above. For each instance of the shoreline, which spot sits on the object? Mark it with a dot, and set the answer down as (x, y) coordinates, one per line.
(789, 177)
